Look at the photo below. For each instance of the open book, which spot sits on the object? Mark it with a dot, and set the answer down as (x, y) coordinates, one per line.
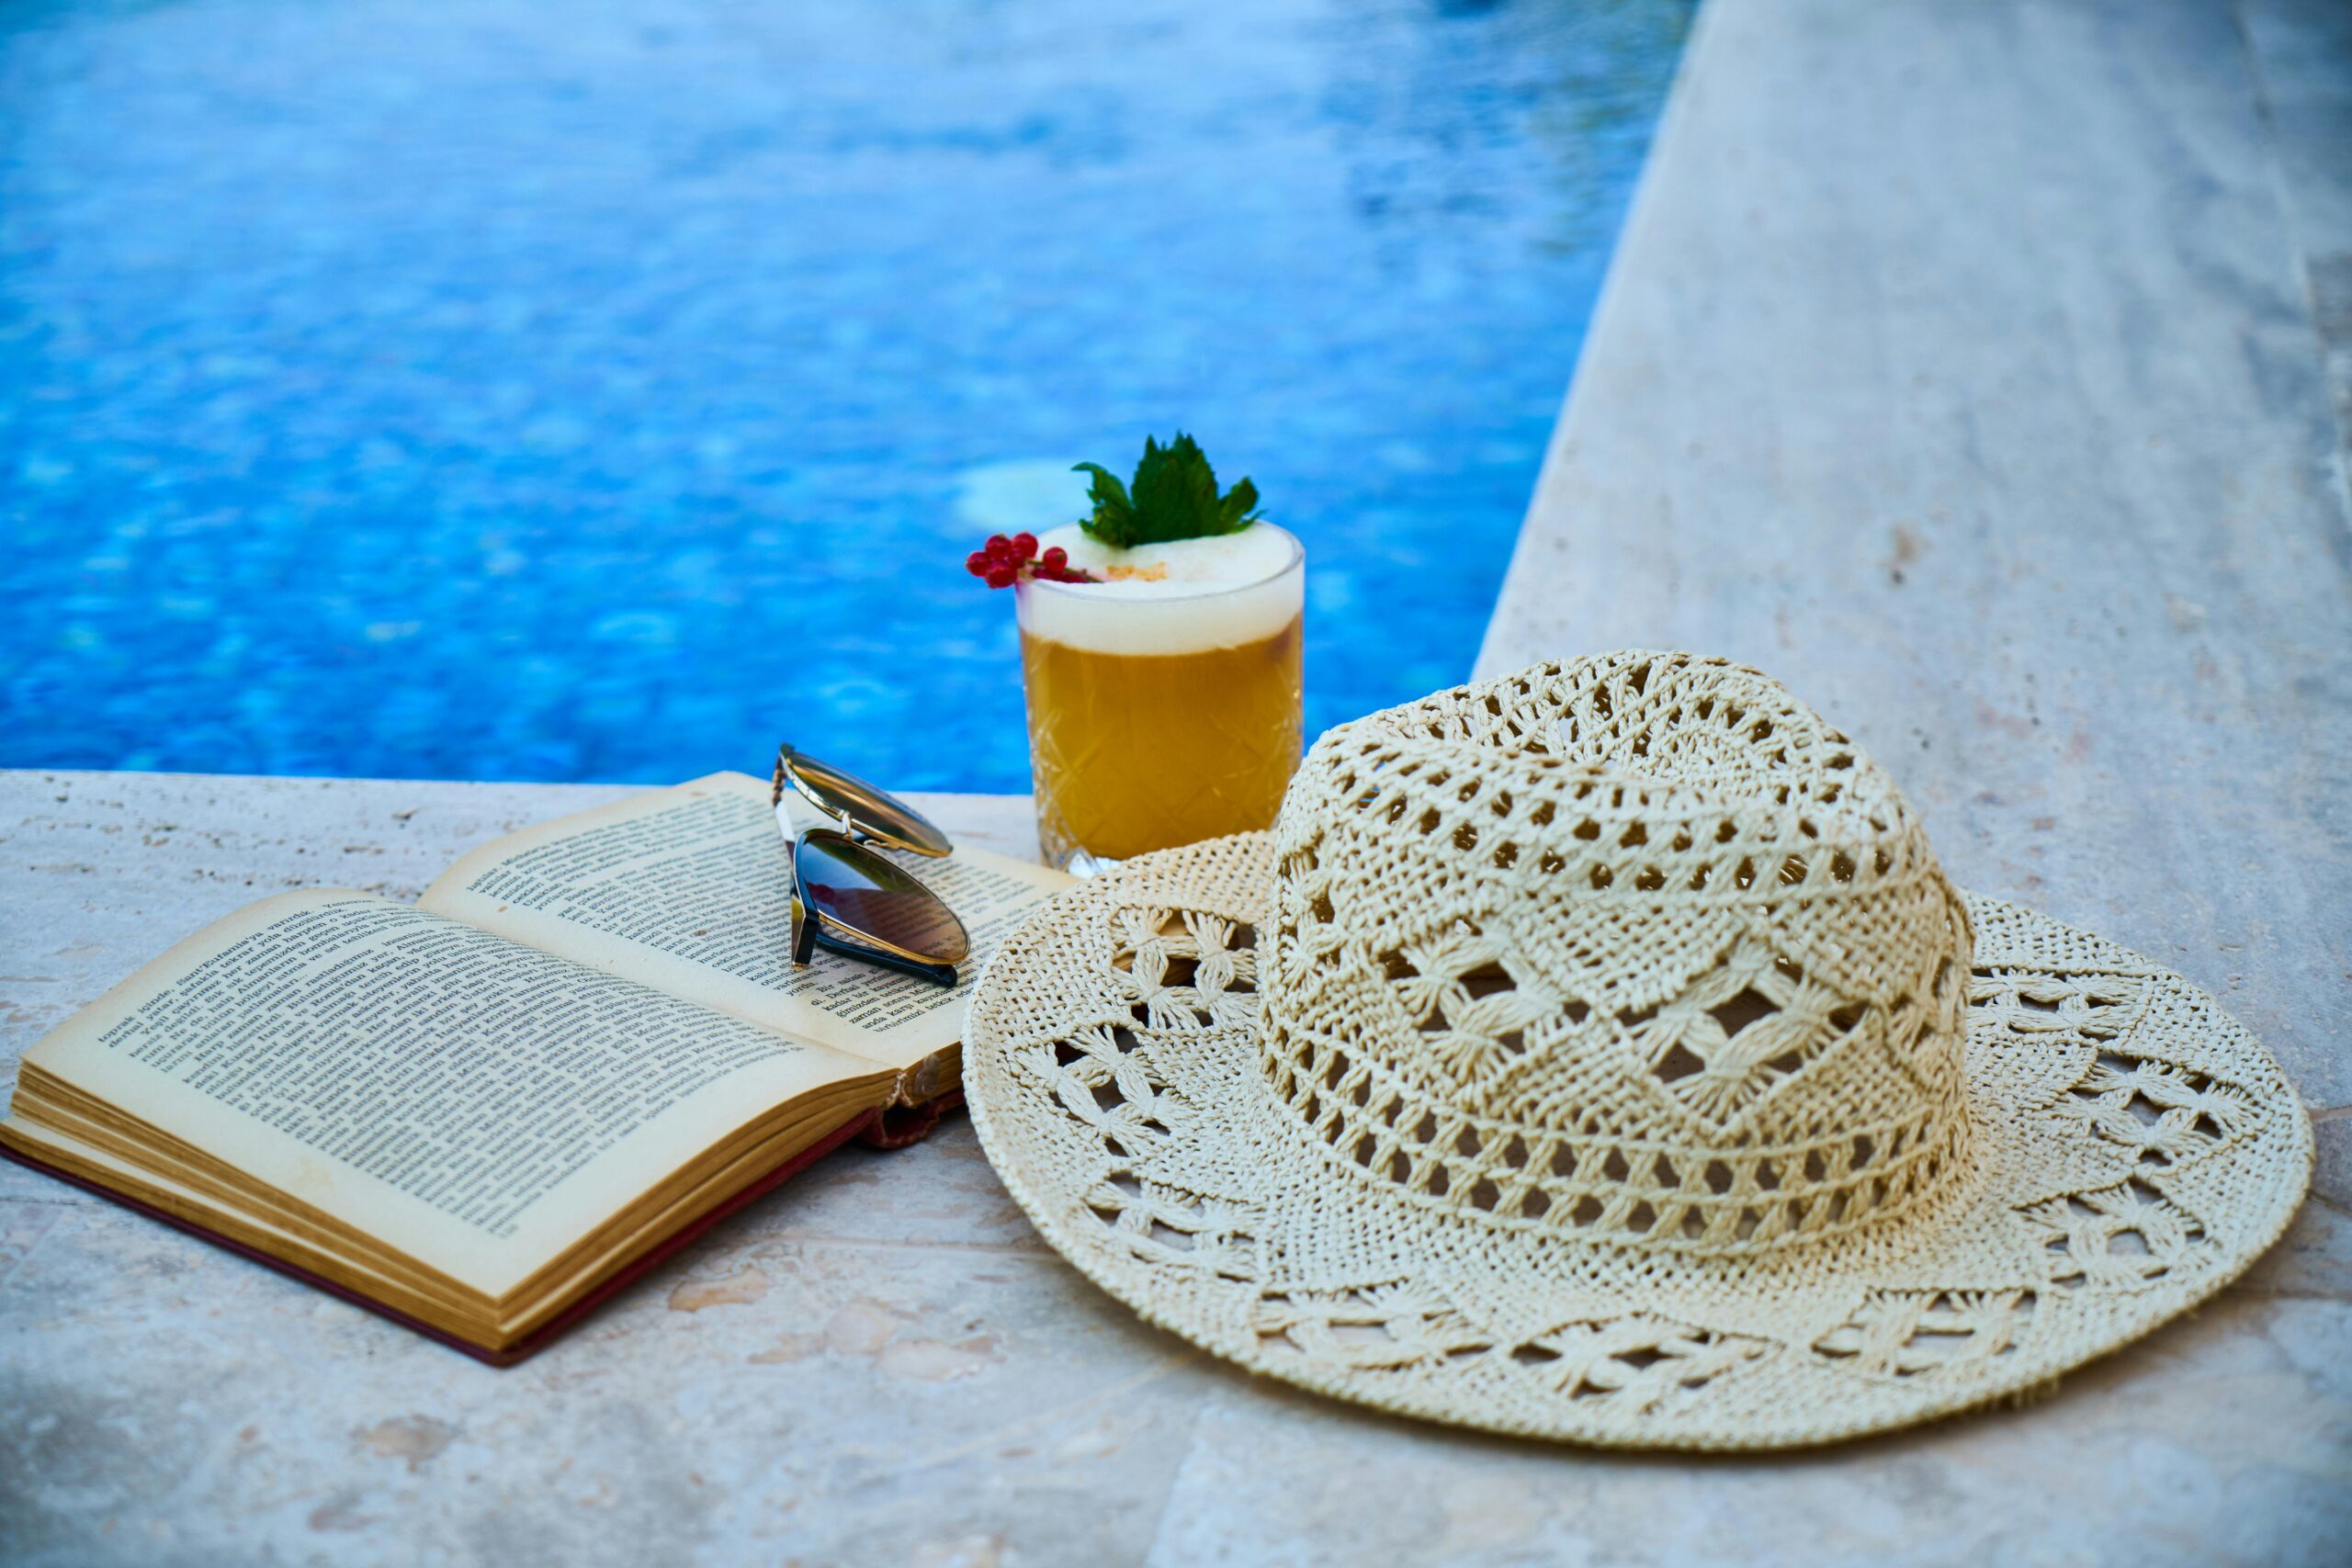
(480, 1113)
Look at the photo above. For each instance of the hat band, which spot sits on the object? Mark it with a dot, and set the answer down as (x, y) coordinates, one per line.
(1732, 1200)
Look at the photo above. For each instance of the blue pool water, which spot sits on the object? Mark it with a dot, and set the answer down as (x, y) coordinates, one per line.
(505, 389)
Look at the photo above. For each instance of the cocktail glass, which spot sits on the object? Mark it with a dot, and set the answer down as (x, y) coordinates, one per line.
(1161, 712)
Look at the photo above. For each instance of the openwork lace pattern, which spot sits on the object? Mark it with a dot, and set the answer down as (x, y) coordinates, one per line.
(1601, 1054)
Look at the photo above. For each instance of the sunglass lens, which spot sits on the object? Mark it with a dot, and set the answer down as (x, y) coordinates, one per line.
(865, 894)
(874, 812)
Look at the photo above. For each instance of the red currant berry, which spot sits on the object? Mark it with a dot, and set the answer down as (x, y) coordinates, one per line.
(1001, 575)
(1056, 558)
(1025, 545)
(977, 563)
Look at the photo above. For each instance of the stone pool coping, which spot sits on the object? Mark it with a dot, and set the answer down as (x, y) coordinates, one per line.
(2025, 474)
(1970, 369)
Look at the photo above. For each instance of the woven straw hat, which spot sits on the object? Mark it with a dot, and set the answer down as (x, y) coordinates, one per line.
(1600, 1054)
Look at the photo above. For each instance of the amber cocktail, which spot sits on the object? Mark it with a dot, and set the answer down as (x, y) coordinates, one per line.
(1164, 701)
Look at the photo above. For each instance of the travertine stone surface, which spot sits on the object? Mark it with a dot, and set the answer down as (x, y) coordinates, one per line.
(2303, 59)
(881, 1363)
(1958, 369)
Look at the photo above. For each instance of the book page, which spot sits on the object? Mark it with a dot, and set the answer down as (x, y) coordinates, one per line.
(689, 890)
(477, 1104)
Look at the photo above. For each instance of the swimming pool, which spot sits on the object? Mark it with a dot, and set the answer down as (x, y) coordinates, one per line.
(508, 391)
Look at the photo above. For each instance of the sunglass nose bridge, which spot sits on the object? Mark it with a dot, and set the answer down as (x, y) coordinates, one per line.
(795, 814)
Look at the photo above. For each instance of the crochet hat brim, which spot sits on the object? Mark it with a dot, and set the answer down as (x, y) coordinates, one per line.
(2134, 1150)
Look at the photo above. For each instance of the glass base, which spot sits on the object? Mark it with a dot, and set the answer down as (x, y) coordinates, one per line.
(1079, 863)
(1059, 848)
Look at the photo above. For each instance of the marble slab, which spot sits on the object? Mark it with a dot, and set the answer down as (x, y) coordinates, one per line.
(882, 1364)
(1958, 366)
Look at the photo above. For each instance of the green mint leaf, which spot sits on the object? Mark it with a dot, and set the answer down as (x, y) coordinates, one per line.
(1114, 522)
(1236, 508)
(1173, 496)
(1175, 491)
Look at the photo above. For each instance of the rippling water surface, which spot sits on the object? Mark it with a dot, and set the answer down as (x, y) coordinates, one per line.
(602, 390)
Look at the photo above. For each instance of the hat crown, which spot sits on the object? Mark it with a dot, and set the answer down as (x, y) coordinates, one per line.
(1637, 949)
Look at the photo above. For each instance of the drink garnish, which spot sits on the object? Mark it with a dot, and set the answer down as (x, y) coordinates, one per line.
(1173, 496)
(1004, 561)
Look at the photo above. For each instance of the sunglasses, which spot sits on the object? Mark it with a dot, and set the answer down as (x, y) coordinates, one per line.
(849, 898)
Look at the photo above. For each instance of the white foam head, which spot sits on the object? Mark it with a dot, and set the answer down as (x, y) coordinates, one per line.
(1184, 597)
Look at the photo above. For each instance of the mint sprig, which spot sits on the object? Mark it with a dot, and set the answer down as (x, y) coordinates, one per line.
(1173, 496)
